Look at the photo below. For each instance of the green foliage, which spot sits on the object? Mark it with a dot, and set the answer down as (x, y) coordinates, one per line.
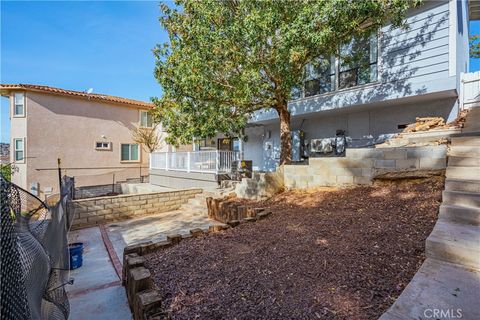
(475, 46)
(6, 171)
(226, 59)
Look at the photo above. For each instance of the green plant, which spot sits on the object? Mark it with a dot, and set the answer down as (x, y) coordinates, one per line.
(227, 59)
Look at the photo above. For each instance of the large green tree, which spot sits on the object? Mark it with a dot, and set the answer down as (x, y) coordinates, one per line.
(227, 59)
(475, 46)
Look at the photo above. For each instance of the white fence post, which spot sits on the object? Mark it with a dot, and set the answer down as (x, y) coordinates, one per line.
(188, 161)
(217, 161)
(166, 161)
(469, 94)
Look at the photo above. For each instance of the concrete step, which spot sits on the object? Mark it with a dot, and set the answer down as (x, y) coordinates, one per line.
(462, 185)
(461, 198)
(438, 286)
(463, 162)
(463, 173)
(466, 141)
(460, 214)
(464, 151)
(454, 243)
(472, 122)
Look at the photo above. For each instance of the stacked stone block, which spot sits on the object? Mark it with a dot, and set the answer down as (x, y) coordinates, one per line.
(360, 166)
(88, 212)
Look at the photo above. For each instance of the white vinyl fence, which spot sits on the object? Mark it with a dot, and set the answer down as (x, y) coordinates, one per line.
(216, 161)
(469, 90)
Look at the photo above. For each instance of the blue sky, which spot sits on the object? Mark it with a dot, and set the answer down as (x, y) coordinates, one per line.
(79, 45)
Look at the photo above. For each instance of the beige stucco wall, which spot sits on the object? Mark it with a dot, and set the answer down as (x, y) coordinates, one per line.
(67, 128)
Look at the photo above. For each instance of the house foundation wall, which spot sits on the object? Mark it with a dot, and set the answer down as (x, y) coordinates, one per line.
(360, 166)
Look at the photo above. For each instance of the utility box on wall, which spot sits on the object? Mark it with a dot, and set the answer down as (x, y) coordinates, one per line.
(298, 143)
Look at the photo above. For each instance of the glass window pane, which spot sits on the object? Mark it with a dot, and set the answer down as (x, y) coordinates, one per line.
(18, 155)
(19, 98)
(18, 109)
(134, 152)
(312, 87)
(125, 152)
(149, 120)
(18, 144)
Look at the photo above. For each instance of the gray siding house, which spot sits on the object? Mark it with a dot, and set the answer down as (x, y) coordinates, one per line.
(413, 73)
(404, 74)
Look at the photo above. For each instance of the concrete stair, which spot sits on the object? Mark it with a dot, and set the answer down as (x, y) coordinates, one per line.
(199, 203)
(462, 185)
(460, 214)
(463, 173)
(463, 162)
(449, 279)
(472, 123)
(464, 151)
(462, 198)
(438, 286)
(455, 243)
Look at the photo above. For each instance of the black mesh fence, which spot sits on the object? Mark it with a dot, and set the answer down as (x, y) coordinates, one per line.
(34, 259)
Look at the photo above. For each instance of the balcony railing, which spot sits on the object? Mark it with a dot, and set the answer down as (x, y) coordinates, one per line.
(215, 161)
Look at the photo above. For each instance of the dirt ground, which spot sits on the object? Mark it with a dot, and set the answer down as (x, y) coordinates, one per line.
(322, 254)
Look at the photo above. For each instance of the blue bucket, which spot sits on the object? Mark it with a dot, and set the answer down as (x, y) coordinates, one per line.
(76, 257)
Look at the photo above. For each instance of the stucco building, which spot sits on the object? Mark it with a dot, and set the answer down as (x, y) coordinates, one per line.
(89, 133)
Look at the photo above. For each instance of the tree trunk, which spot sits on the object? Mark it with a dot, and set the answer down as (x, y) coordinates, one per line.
(285, 137)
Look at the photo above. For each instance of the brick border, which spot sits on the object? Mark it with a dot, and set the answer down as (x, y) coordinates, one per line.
(144, 299)
(111, 251)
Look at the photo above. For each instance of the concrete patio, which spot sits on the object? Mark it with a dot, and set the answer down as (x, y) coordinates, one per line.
(97, 292)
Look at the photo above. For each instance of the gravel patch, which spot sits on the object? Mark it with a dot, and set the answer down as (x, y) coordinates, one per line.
(322, 254)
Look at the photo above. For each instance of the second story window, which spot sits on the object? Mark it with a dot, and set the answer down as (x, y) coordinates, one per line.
(320, 77)
(357, 65)
(146, 119)
(19, 104)
(19, 149)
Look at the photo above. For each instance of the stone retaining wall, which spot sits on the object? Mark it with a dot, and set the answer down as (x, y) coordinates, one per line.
(88, 212)
(360, 166)
(100, 190)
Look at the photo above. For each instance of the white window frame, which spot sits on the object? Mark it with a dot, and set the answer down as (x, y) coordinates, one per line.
(102, 148)
(140, 119)
(130, 152)
(15, 150)
(14, 105)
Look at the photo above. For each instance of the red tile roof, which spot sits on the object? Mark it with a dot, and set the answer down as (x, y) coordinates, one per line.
(92, 96)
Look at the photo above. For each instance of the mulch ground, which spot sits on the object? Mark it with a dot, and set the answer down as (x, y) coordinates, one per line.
(322, 254)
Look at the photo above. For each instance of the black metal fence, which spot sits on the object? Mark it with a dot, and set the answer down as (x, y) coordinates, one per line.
(34, 257)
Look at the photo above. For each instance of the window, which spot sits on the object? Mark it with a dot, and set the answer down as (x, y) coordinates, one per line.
(359, 63)
(19, 105)
(146, 119)
(101, 145)
(129, 152)
(19, 149)
(357, 66)
(320, 77)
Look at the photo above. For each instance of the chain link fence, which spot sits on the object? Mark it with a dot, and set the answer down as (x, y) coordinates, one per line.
(34, 257)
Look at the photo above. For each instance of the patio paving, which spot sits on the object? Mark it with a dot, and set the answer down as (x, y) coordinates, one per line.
(97, 292)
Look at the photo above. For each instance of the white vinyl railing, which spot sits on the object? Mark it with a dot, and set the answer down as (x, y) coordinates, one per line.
(469, 90)
(215, 161)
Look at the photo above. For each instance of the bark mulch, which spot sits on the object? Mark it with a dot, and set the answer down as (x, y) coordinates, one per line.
(322, 254)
